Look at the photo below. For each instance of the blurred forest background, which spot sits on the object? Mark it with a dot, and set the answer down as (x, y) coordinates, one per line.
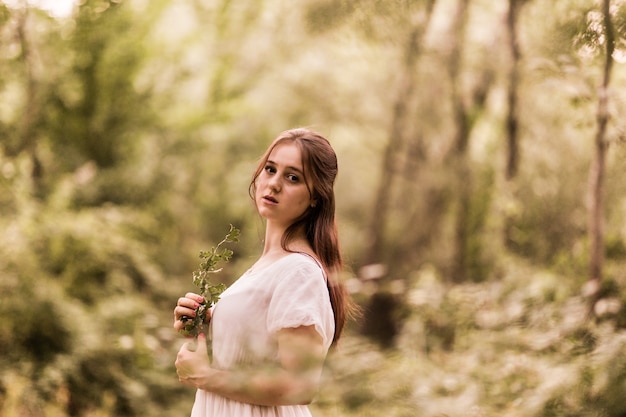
(481, 196)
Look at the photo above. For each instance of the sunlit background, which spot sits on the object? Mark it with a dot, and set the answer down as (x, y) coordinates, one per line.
(481, 195)
(57, 8)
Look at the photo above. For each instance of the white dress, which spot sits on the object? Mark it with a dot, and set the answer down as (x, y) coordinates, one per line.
(289, 293)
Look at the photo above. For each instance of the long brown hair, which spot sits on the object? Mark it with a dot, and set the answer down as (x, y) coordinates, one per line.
(320, 170)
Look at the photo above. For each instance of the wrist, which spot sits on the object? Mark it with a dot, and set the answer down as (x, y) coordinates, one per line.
(205, 378)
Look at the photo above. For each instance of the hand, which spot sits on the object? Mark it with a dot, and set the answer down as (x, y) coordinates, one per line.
(192, 362)
(186, 307)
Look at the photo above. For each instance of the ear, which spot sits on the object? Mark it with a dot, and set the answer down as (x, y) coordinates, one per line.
(313, 202)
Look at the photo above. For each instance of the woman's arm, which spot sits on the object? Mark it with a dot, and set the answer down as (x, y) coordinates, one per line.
(294, 381)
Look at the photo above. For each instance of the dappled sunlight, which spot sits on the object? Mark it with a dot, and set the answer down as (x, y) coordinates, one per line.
(535, 356)
(465, 134)
(56, 8)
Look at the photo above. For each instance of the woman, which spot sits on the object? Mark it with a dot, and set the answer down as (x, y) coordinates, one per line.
(271, 329)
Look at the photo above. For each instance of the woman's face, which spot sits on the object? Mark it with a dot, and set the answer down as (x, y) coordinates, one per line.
(281, 192)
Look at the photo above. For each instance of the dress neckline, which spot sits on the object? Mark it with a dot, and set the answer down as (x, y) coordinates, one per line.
(253, 271)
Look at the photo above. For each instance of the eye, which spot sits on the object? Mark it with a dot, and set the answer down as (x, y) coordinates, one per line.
(293, 178)
(270, 169)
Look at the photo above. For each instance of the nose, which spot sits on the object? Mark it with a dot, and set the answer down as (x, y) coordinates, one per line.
(274, 183)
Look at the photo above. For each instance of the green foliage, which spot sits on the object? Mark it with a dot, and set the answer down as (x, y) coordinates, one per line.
(324, 15)
(549, 219)
(482, 198)
(201, 279)
(101, 119)
(130, 128)
(523, 346)
(593, 37)
(39, 329)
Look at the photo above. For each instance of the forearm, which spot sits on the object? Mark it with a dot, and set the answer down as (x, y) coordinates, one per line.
(269, 387)
(294, 379)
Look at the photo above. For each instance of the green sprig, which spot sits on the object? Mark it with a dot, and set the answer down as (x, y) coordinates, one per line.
(201, 279)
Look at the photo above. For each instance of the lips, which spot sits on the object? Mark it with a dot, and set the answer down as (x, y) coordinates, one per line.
(270, 199)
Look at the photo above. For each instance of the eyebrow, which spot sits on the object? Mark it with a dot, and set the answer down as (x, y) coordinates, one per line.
(298, 170)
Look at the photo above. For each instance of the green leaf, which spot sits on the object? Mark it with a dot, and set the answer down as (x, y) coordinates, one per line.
(210, 292)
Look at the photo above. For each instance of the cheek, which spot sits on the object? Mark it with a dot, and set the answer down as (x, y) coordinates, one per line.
(304, 200)
(258, 184)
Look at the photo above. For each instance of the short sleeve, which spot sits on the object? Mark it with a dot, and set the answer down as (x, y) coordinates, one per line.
(301, 298)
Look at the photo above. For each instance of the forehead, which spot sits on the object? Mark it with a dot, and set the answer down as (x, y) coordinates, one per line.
(286, 153)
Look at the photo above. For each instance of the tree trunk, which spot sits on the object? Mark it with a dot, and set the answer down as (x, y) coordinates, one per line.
(381, 315)
(512, 122)
(596, 177)
(397, 140)
(466, 107)
(461, 141)
(27, 129)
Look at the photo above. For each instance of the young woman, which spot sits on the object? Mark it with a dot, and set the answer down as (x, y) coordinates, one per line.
(272, 328)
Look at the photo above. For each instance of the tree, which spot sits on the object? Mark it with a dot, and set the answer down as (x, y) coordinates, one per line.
(512, 121)
(598, 166)
(96, 110)
(467, 105)
(399, 135)
(25, 83)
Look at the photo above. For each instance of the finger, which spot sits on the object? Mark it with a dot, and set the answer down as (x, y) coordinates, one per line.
(182, 326)
(180, 311)
(186, 381)
(178, 325)
(199, 346)
(181, 375)
(185, 306)
(187, 302)
(195, 297)
(181, 315)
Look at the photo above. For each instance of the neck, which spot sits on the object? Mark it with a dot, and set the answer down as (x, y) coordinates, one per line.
(273, 250)
(273, 240)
